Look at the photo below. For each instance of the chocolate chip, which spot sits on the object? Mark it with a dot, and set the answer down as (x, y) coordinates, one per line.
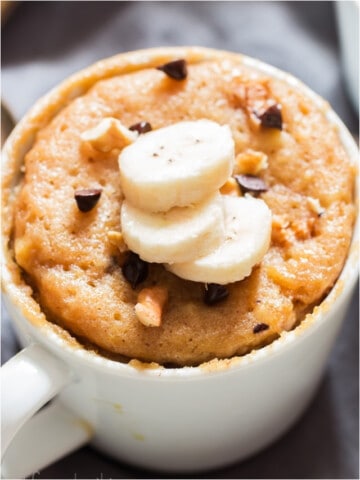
(87, 199)
(141, 127)
(251, 183)
(215, 293)
(272, 117)
(176, 69)
(135, 270)
(260, 327)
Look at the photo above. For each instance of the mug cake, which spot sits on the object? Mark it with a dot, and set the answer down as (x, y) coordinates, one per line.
(179, 205)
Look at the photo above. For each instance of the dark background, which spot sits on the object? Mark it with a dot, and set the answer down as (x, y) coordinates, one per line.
(43, 42)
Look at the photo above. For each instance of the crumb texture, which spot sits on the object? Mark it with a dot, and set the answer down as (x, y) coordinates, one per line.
(75, 268)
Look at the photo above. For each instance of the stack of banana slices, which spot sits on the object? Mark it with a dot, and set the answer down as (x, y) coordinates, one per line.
(173, 212)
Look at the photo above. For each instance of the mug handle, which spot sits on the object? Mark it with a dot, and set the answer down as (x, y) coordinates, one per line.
(28, 381)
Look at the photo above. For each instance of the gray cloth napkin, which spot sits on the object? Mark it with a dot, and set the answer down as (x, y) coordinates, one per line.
(44, 42)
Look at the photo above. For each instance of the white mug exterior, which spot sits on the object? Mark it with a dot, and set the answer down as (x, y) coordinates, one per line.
(195, 418)
(48, 436)
(188, 419)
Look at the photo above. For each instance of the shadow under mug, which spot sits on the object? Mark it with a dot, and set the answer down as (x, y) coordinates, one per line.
(175, 420)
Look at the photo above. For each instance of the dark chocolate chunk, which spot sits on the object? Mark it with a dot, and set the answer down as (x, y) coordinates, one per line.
(176, 69)
(135, 270)
(260, 327)
(215, 293)
(87, 199)
(272, 117)
(251, 183)
(141, 127)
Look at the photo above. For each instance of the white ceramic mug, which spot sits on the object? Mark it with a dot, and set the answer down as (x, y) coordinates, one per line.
(180, 419)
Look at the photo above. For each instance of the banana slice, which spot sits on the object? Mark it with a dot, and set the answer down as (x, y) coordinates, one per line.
(178, 235)
(247, 238)
(176, 166)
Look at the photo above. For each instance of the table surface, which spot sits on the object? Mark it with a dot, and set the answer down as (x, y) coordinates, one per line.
(43, 42)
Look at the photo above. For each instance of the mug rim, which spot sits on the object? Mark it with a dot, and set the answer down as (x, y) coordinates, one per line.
(342, 288)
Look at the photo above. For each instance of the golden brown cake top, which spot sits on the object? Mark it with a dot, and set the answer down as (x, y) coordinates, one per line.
(75, 268)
